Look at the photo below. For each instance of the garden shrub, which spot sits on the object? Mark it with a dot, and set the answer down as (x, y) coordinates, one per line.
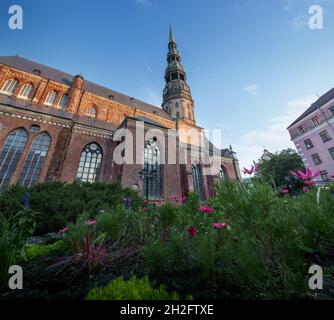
(132, 289)
(39, 250)
(58, 203)
(13, 233)
(112, 223)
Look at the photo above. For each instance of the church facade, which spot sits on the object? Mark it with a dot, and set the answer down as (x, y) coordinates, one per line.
(58, 127)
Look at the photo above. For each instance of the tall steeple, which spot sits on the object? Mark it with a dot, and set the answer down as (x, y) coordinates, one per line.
(177, 100)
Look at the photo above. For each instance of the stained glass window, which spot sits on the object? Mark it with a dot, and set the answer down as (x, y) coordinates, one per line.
(34, 162)
(10, 155)
(90, 164)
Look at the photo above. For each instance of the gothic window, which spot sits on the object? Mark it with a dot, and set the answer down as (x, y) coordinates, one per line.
(198, 181)
(175, 76)
(152, 171)
(10, 155)
(63, 101)
(176, 104)
(90, 164)
(182, 77)
(34, 162)
(51, 98)
(26, 91)
(92, 112)
(10, 87)
(223, 175)
(177, 115)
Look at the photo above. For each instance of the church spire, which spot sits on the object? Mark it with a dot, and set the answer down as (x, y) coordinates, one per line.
(177, 100)
(171, 35)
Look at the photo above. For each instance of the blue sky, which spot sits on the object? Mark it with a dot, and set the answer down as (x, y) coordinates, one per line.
(253, 65)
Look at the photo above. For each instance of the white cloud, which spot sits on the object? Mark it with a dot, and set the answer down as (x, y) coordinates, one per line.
(299, 22)
(144, 3)
(252, 89)
(274, 136)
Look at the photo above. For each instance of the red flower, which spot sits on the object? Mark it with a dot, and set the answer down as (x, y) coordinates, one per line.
(145, 209)
(192, 231)
(206, 209)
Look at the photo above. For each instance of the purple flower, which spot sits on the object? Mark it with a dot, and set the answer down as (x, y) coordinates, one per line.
(220, 225)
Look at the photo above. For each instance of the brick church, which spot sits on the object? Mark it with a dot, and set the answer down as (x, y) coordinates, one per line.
(58, 127)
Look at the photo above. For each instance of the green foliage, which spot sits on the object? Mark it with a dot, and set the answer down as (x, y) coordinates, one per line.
(133, 289)
(13, 233)
(112, 223)
(38, 250)
(276, 169)
(58, 203)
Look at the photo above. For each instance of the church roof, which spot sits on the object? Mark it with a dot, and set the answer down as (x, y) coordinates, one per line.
(67, 79)
(328, 96)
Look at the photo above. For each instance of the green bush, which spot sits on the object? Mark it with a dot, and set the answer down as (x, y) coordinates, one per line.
(39, 250)
(133, 289)
(112, 223)
(58, 204)
(13, 233)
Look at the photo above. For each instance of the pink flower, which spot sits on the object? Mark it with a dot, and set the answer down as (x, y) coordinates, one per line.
(184, 199)
(285, 190)
(206, 209)
(62, 231)
(145, 209)
(305, 189)
(308, 175)
(219, 225)
(192, 231)
(309, 183)
(91, 222)
(248, 171)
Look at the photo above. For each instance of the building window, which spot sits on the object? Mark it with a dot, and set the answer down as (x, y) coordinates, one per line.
(332, 111)
(34, 129)
(90, 164)
(177, 115)
(325, 136)
(301, 130)
(316, 159)
(316, 121)
(92, 112)
(10, 155)
(34, 162)
(324, 175)
(63, 101)
(308, 144)
(51, 98)
(331, 151)
(223, 175)
(175, 76)
(10, 87)
(182, 77)
(26, 91)
(198, 181)
(152, 171)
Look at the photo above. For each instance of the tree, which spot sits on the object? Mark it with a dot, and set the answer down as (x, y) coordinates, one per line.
(279, 167)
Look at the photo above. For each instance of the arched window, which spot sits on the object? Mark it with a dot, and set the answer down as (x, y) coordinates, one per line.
(34, 162)
(90, 164)
(63, 101)
(92, 112)
(176, 104)
(10, 155)
(198, 181)
(223, 175)
(177, 115)
(51, 98)
(10, 87)
(26, 91)
(152, 171)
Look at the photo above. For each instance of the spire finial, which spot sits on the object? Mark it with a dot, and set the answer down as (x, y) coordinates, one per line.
(171, 35)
